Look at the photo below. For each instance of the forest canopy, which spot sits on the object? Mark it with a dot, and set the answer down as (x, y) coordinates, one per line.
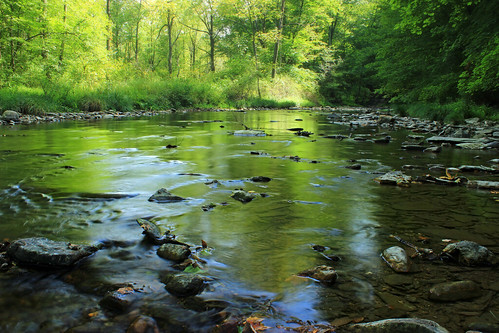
(438, 56)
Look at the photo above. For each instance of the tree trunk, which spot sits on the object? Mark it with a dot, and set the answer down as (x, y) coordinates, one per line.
(332, 29)
(170, 41)
(211, 33)
(278, 41)
(61, 54)
(137, 32)
(44, 52)
(109, 32)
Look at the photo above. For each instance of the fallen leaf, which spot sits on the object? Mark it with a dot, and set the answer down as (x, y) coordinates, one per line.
(93, 314)
(125, 290)
(256, 323)
(204, 244)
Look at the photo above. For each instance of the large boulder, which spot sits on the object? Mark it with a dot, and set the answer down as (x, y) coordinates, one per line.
(398, 325)
(40, 251)
(468, 253)
(11, 115)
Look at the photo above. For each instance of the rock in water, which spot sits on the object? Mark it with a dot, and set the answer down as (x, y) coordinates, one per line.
(455, 291)
(143, 324)
(184, 285)
(152, 232)
(394, 178)
(174, 252)
(162, 195)
(243, 196)
(397, 259)
(41, 251)
(323, 273)
(398, 325)
(468, 253)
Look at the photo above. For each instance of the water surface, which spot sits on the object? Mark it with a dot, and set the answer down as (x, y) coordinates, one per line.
(53, 177)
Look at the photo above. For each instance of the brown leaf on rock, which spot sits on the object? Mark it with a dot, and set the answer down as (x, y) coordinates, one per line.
(256, 324)
(204, 244)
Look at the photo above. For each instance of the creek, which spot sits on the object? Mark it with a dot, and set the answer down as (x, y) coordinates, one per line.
(56, 179)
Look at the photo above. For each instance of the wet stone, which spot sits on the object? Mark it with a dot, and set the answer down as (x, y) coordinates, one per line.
(398, 325)
(243, 196)
(397, 280)
(322, 273)
(163, 196)
(151, 231)
(184, 285)
(261, 179)
(41, 251)
(394, 178)
(174, 252)
(119, 300)
(396, 303)
(9, 115)
(455, 291)
(468, 253)
(397, 259)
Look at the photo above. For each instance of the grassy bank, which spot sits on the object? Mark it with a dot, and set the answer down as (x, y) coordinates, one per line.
(156, 94)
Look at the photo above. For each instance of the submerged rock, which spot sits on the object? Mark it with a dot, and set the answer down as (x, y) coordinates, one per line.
(143, 324)
(243, 196)
(394, 178)
(163, 196)
(398, 325)
(184, 285)
(174, 252)
(397, 259)
(468, 253)
(119, 300)
(483, 184)
(455, 291)
(322, 273)
(40, 251)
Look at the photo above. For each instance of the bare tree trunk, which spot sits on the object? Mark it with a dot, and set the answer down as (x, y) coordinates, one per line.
(44, 52)
(169, 22)
(279, 36)
(211, 33)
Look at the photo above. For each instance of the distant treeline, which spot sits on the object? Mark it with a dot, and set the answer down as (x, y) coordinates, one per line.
(435, 58)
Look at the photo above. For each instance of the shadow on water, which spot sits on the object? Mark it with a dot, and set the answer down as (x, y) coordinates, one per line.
(89, 182)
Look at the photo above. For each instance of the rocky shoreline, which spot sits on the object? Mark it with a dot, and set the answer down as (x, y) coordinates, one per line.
(473, 134)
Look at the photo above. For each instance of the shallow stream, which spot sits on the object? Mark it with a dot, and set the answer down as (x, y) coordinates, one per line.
(53, 177)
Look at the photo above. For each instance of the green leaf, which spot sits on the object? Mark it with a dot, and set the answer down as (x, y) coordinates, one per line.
(192, 269)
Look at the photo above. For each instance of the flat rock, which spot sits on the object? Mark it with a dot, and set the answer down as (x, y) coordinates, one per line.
(433, 149)
(163, 196)
(451, 140)
(260, 179)
(394, 178)
(477, 168)
(40, 251)
(249, 133)
(184, 285)
(174, 252)
(454, 291)
(468, 253)
(397, 259)
(472, 145)
(483, 184)
(398, 325)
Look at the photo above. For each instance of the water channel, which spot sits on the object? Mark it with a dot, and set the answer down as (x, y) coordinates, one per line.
(52, 177)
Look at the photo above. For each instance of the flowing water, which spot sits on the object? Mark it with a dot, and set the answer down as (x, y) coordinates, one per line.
(53, 177)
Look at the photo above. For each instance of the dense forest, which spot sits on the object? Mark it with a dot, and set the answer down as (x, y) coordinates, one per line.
(436, 58)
